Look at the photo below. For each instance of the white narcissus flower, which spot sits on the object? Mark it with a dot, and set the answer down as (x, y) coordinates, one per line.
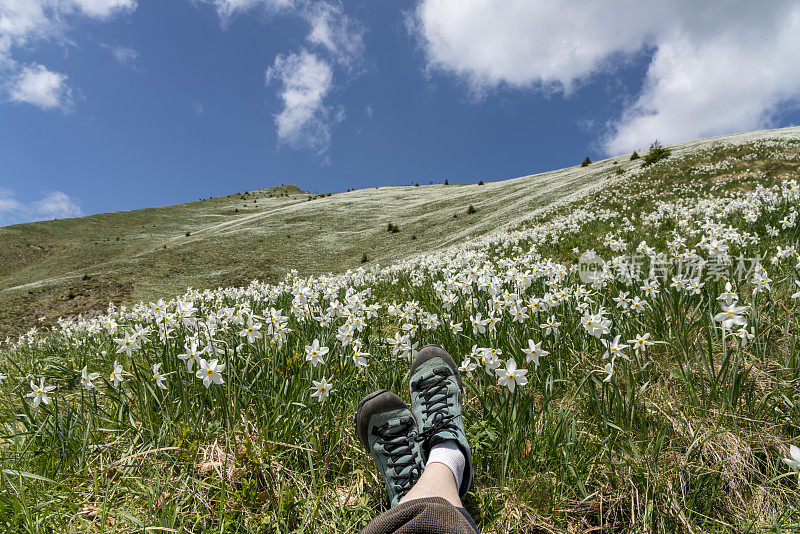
(796, 295)
(622, 300)
(534, 352)
(467, 366)
(794, 461)
(210, 372)
(744, 335)
(641, 342)
(650, 288)
(731, 316)
(596, 325)
(359, 358)
(191, 354)
(116, 374)
(489, 360)
(127, 344)
(39, 393)
(609, 369)
(344, 335)
(158, 377)
(478, 323)
(728, 296)
(550, 326)
(316, 353)
(614, 349)
(321, 389)
(396, 343)
(87, 377)
(251, 331)
(409, 350)
(511, 376)
(638, 305)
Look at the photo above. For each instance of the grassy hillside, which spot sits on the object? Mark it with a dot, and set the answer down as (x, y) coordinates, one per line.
(72, 266)
(661, 396)
(77, 266)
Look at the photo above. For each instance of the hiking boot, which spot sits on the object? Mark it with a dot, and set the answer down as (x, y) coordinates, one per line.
(387, 429)
(435, 387)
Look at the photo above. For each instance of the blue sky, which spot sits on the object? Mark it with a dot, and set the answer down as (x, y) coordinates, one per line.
(110, 105)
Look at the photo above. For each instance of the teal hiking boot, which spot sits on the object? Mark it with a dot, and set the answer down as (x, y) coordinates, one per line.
(387, 429)
(435, 387)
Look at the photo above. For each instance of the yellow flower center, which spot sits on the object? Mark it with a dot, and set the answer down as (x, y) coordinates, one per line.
(210, 372)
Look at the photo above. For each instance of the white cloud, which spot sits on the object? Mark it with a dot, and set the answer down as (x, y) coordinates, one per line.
(52, 205)
(331, 29)
(523, 43)
(24, 22)
(198, 108)
(700, 89)
(57, 204)
(8, 204)
(100, 8)
(305, 80)
(36, 85)
(226, 9)
(715, 67)
(125, 55)
(20, 22)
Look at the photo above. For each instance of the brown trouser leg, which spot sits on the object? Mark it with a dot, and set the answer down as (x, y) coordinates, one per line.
(432, 515)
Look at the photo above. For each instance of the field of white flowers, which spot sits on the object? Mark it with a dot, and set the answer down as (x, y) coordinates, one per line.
(653, 386)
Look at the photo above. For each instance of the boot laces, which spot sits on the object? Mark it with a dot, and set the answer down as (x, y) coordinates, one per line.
(397, 441)
(436, 399)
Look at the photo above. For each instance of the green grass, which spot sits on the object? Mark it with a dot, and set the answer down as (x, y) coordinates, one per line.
(686, 437)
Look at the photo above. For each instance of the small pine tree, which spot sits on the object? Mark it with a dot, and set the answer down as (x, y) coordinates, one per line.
(480, 183)
(446, 182)
(364, 258)
(634, 156)
(471, 209)
(586, 162)
(656, 153)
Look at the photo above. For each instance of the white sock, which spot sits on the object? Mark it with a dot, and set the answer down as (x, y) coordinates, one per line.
(449, 454)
